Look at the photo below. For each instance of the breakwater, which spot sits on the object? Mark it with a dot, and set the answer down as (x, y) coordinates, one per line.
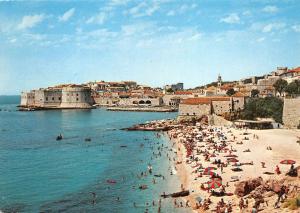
(142, 109)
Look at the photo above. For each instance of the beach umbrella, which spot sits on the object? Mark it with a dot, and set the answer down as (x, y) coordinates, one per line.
(214, 184)
(232, 160)
(287, 162)
(210, 168)
(209, 173)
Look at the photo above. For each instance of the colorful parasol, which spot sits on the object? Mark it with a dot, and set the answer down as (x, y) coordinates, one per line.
(210, 168)
(214, 184)
(209, 173)
(287, 162)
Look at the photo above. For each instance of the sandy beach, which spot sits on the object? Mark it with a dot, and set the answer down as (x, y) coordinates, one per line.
(253, 148)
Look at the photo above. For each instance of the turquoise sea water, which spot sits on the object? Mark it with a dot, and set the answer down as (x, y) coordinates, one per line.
(40, 174)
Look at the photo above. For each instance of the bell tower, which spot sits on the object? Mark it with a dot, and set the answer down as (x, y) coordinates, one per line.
(219, 80)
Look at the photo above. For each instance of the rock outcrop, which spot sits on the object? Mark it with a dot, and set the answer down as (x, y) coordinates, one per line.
(245, 187)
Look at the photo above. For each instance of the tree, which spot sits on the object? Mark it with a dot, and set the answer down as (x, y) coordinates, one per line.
(269, 107)
(230, 92)
(170, 90)
(280, 85)
(293, 88)
(254, 93)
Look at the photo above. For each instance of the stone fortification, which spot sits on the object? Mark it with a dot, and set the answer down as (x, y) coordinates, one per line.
(76, 97)
(67, 97)
(291, 112)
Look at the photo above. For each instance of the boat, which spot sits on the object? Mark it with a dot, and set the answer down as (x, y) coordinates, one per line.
(177, 194)
(59, 137)
(111, 181)
(143, 187)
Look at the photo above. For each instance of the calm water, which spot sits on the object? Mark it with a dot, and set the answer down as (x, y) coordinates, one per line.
(40, 174)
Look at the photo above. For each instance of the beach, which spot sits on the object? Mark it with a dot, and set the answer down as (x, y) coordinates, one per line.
(252, 148)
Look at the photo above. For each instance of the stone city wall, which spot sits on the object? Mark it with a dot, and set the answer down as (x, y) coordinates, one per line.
(221, 107)
(47, 98)
(291, 112)
(197, 110)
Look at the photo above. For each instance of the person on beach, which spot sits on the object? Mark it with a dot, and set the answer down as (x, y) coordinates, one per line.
(153, 181)
(277, 170)
(241, 204)
(254, 209)
(159, 209)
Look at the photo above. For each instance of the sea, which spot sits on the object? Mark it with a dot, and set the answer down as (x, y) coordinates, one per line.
(40, 174)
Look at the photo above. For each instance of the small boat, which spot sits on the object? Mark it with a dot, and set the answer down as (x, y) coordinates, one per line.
(59, 137)
(181, 194)
(123, 146)
(143, 187)
(111, 181)
(177, 194)
(87, 139)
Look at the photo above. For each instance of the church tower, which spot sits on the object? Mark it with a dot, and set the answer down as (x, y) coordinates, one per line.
(219, 80)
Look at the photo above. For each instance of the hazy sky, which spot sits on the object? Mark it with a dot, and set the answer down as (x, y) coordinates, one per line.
(154, 42)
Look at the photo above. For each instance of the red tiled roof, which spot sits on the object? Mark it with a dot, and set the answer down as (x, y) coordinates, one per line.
(196, 101)
(219, 98)
(204, 100)
(226, 86)
(183, 93)
(239, 94)
(295, 70)
(291, 71)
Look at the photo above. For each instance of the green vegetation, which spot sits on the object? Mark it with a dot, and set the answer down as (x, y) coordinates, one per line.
(293, 203)
(280, 86)
(169, 90)
(254, 93)
(293, 89)
(230, 92)
(215, 84)
(269, 107)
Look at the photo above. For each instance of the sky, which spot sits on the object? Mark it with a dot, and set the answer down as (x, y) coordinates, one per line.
(154, 42)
